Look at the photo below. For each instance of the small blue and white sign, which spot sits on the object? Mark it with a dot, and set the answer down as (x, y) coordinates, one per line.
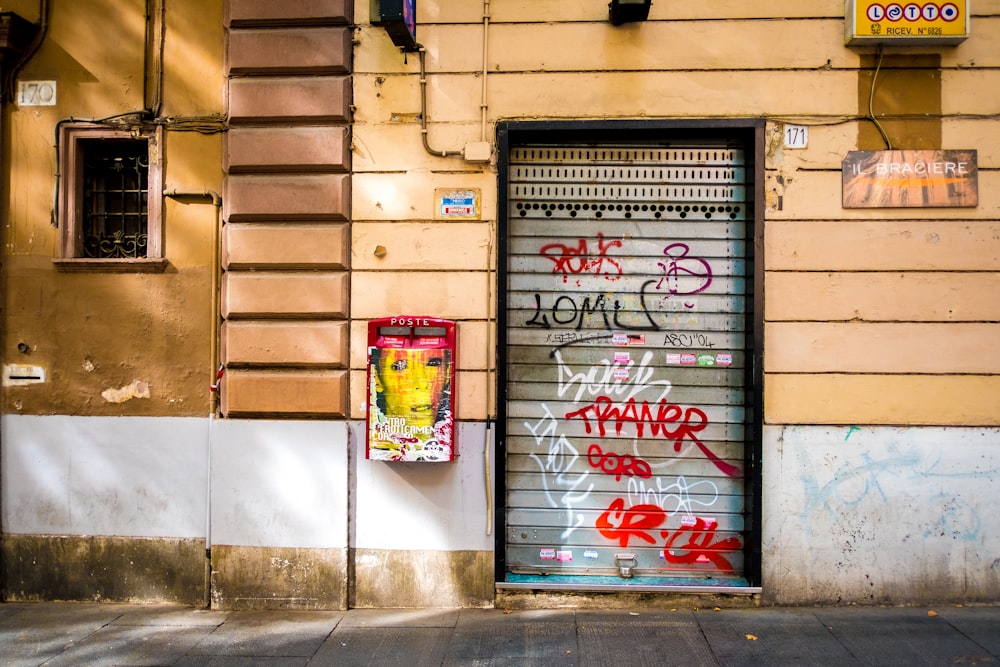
(458, 204)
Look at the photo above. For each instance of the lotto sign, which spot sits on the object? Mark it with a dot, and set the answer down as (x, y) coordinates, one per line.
(869, 22)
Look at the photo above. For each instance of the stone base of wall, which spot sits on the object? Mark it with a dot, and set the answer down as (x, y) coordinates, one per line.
(103, 569)
(278, 578)
(422, 579)
(510, 598)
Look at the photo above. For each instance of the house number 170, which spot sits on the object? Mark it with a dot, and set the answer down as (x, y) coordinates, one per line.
(36, 93)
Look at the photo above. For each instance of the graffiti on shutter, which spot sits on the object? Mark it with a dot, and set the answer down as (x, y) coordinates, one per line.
(627, 302)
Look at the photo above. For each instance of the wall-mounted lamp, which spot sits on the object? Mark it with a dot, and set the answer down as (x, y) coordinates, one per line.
(399, 18)
(627, 11)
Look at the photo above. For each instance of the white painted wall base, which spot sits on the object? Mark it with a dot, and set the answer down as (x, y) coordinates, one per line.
(850, 515)
(279, 483)
(264, 483)
(880, 515)
(112, 476)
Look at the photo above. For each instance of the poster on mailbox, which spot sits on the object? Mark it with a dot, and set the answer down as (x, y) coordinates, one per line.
(411, 378)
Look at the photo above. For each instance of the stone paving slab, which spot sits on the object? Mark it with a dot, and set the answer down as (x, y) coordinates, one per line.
(55, 634)
(31, 634)
(240, 661)
(263, 634)
(385, 647)
(980, 624)
(403, 618)
(132, 645)
(520, 637)
(641, 638)
(771, 637)
(905, 637)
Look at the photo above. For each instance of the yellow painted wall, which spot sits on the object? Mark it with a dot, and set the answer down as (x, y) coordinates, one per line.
(839, 283)
(96, 332)
(872, 316)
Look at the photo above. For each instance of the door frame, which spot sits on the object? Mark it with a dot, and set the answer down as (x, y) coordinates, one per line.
(750, 132)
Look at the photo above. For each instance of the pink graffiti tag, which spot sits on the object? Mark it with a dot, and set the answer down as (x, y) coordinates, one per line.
(617, 464)
(620, 524)
(569, 260)
(688, 422)
(682, 266)
(699, 547)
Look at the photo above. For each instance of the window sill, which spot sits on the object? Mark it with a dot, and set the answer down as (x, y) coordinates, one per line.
(141, 265)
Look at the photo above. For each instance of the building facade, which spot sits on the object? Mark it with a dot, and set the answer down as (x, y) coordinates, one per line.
(724, 289)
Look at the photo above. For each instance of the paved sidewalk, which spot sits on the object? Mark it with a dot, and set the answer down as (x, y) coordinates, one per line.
(53, 633)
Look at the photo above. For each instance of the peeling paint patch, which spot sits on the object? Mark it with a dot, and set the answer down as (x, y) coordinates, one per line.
(137, 389)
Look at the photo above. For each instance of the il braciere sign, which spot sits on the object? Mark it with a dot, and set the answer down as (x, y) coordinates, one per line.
(911, 179)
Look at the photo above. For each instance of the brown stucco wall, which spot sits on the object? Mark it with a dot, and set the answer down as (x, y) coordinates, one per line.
(113, 343)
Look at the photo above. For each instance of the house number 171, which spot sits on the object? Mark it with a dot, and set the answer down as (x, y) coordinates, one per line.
(796, 136)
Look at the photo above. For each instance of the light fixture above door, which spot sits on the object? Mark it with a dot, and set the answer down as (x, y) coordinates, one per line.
(628, 11)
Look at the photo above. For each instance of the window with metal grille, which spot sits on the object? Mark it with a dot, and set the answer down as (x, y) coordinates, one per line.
(110, 197)
(115, 212)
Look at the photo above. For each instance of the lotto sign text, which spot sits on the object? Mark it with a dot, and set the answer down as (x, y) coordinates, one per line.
(868, 21)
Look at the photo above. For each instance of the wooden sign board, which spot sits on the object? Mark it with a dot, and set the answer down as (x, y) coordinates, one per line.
(911, 179)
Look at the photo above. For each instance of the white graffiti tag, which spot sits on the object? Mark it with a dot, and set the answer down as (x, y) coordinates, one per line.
(562, 487)
(601, 381)
(679, 497)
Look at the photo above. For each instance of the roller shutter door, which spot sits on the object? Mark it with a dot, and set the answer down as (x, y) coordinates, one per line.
(626, 387)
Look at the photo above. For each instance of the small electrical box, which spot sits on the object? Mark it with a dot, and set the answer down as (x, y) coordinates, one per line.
(411, 389)
(399, 18)
(903, 23)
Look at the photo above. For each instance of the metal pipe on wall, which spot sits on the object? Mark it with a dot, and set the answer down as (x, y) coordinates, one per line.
(486, 35)
(423, 108)
(156, 28)
(7, 90)
(490, 352)
(216, 200)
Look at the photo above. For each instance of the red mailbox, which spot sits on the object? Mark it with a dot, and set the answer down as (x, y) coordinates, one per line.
(411, 389)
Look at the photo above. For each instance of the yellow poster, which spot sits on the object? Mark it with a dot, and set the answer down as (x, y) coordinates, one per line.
(409, 404)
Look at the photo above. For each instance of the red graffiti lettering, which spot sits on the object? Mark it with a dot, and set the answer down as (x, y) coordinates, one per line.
(689, 422)
(700, 546)
(617, 464)
(569, 260)
(620, 524)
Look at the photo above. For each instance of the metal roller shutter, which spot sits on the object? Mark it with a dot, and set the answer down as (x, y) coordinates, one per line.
(626, 350)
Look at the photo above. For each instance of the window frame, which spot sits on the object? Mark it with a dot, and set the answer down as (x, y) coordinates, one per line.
(69, 211)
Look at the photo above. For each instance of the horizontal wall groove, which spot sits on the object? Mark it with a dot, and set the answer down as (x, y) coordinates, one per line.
(289, 71)
(816, 69)
(868, 321)
(281, 317)
(264, 24)
(846, 425)
(659, 21)
(284, 170)
(842, 374)
(277, 368)
(901, 272)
